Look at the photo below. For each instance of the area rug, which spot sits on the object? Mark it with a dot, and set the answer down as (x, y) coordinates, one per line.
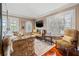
(41, 47)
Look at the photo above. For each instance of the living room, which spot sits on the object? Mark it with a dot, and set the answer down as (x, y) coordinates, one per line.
(40, 29)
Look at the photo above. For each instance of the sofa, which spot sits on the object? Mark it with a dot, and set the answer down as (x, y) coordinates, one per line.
(23, 47)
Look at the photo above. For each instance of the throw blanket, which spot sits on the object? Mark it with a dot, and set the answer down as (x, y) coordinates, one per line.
(7, 46)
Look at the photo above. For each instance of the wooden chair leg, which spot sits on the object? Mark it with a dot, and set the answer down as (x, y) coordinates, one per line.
(67, 52)
(56, 44)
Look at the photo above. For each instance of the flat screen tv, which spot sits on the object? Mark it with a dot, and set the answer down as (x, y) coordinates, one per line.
(39, 24)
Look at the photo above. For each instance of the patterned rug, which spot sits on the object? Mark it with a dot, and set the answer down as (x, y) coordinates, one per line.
(41, 47)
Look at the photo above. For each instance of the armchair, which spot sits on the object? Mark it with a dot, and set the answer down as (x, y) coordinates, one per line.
(69, 41)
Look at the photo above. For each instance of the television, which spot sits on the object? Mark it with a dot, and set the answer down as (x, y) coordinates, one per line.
(39, 24)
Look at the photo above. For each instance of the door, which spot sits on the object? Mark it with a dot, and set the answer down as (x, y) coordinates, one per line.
(28, 26)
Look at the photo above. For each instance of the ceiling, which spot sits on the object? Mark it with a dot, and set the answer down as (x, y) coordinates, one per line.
(31, 9)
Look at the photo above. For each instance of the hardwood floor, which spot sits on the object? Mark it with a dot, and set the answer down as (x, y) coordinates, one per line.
(60, 52)
(53, 52)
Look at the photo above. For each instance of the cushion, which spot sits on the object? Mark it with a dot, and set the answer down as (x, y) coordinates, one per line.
(67, 38)
(69, 32)
(63, 43)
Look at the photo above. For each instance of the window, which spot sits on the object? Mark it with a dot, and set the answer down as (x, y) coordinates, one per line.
(57, 23)
(4, 24)
(14, 23)
(69, 19)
